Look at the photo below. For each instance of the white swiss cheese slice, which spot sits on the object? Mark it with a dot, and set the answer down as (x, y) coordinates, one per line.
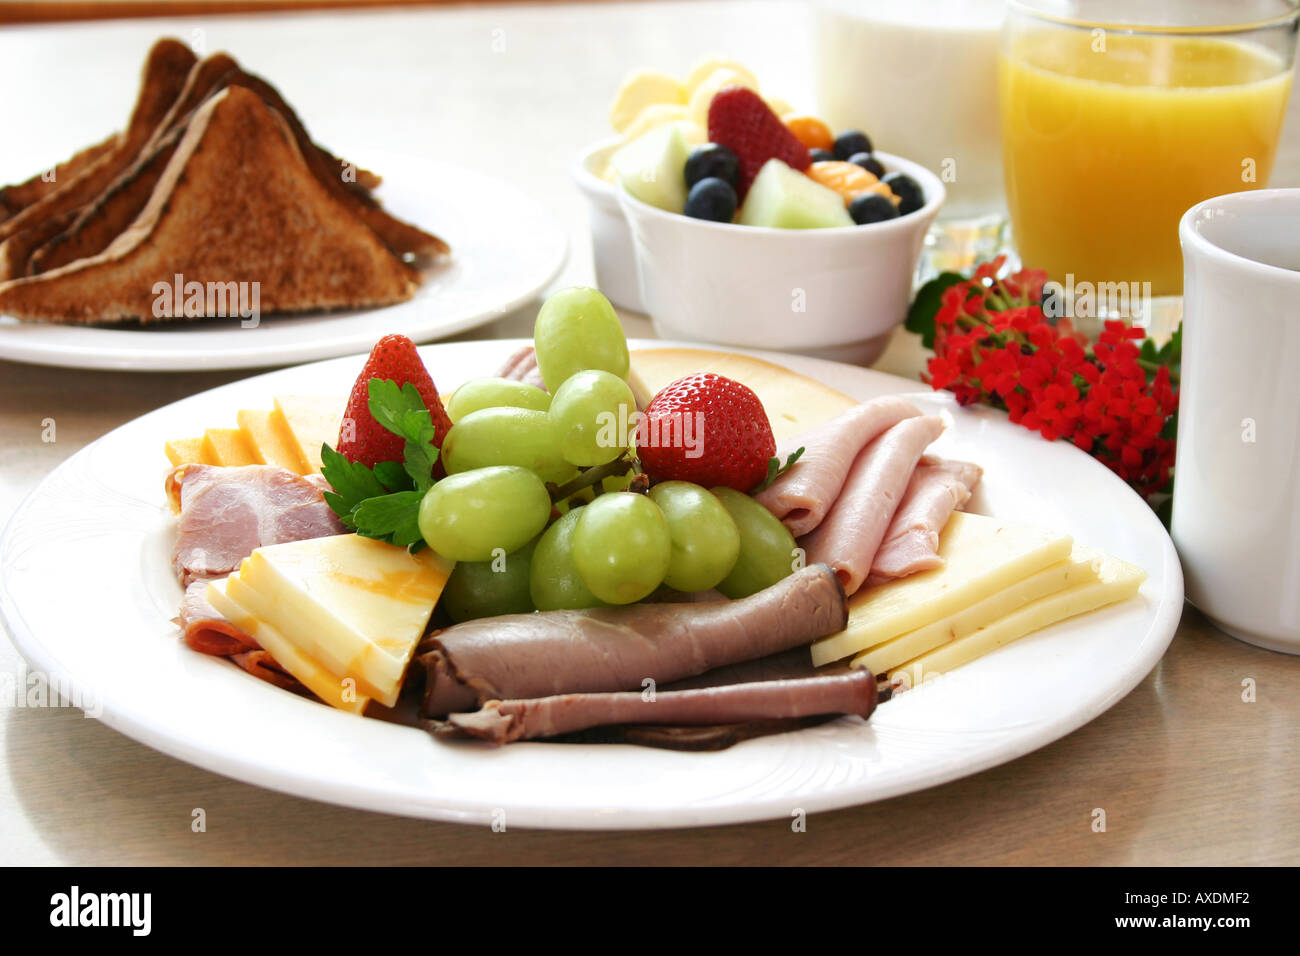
(1113, 580)
(982, 556)
(357, 605)
(311, 673)
(1081, 566)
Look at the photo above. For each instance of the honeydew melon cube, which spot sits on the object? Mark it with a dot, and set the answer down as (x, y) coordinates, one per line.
(652, 167)
(785, 198)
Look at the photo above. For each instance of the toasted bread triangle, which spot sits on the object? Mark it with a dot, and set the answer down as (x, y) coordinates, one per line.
(165, 71)
(236, 204)
(14, 199)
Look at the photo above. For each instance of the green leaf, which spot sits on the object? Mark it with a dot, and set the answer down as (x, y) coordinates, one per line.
(402, 412)
(775, 469)
(926, 305)
(393, 518)
(352, 483)
(393, 476)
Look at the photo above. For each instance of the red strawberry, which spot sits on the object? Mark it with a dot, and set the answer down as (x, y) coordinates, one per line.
(707, 429)
(362, 438)
(741, 121)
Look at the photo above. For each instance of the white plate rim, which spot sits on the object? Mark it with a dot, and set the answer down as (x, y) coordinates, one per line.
(240, 766)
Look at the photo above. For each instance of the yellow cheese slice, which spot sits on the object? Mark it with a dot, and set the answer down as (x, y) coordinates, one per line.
(981, 555)
(312, 420)
(310, 672)
(1081, 566)
(228, 446)
(1114, 580)
(357, 605)
(270, 438)
(794, 403)
(186, 451)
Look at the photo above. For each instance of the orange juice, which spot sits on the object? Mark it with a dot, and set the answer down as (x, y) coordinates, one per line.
(1109, 138)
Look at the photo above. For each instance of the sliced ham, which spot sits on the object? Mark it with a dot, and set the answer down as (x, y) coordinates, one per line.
(263, 666)
(505, 721)
(911, 544)
(227, 513)
(802, 496)
(599, 650)
(849, 536)
(205, 630)
(521, 366)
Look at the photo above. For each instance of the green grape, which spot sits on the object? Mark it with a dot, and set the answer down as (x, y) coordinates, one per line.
(506, 436)
(577, 329)
(478, 515)
(554, 581)
(589, 417)
(705, 539)
(618, 482)
(488, 588)
(480, 393)
(766, 546)
(622, 547)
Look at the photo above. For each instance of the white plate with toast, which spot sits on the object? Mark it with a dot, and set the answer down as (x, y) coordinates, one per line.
(505, 249)
(116, 649)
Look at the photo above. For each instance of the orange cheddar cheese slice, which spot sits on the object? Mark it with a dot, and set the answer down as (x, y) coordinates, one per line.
(186, 451)
(312, 420)
(227, 446)
(271, 440)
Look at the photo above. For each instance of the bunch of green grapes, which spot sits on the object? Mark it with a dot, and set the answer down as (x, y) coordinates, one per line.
(510, 440)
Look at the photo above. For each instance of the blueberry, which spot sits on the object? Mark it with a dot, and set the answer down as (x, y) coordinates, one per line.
(872, 207)
(908, 190)
(821, 155)
(869, 163)
(712, 161)
(851, 142)
(712, 199)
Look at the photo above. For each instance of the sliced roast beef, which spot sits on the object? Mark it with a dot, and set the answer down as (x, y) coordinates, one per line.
(227, 513)
(802, 496)
(937, 489)
(849, 536)
(599, 650)
(505, 721)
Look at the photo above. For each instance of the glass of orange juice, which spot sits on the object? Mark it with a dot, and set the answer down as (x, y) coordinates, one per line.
(1113, 128)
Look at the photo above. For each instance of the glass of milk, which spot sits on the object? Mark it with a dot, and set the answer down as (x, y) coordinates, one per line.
(920, 78)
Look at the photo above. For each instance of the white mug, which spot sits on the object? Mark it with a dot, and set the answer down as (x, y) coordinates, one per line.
(1236, 509)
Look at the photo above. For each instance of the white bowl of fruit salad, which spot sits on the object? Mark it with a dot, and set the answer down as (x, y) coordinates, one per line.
(759, 239)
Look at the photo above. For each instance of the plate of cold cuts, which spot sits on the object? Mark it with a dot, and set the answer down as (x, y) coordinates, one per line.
(962, 592)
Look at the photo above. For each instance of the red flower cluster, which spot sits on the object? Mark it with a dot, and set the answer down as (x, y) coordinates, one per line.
(993, 344)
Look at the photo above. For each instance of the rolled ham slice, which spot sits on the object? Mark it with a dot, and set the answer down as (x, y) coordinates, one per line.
(851, 533)
(504, 721)
(205, 630)
(937, 489)
(228, 513)
(601, 650)
(802, 496)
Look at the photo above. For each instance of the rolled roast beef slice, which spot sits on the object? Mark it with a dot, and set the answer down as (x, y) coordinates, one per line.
(937, 489)
(851, 533)
(504, 721)
(803, 495)
(598, 650)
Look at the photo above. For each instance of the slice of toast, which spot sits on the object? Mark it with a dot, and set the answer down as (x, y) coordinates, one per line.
(14, 199)
(60, 241)
(235, 204)
(165, 71)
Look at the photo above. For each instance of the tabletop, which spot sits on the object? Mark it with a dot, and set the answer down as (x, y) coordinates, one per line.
(1190, 768)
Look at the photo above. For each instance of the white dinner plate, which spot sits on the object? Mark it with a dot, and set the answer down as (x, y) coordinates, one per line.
(88, 595)
(505, 248)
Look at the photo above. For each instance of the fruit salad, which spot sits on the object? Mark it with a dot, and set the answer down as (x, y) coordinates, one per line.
(723, 152)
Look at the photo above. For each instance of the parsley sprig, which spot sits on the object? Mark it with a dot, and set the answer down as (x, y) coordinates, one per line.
(383, 502)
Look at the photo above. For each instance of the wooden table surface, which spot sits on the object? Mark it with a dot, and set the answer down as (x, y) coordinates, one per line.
(1186, 770)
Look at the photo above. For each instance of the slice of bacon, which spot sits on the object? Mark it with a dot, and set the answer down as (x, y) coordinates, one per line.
(227, 513)
(802, 496)
(504, 721)
(849, 536)
(937, 489)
